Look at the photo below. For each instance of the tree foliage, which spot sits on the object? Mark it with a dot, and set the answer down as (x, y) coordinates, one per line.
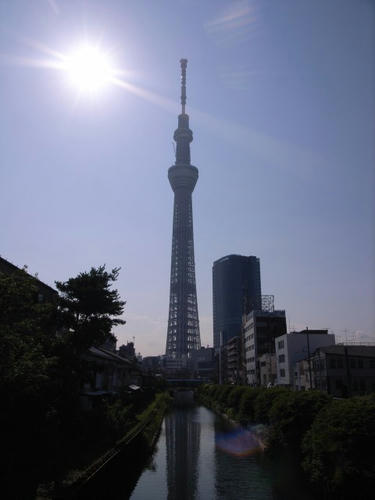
(26, 347)
(234, 397)
(42, 368)
(291, 416)
(26, 388)
(247, 404)
(339, 448)
(89, 308)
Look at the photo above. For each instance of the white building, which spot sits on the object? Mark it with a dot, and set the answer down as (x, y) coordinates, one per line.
(295, 346)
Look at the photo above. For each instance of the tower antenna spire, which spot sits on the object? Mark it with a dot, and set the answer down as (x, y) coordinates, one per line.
(183, 63)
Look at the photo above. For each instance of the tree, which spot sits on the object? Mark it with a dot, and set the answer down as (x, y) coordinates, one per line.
(339, 448)
(88, 308)
(26, 361)
(26, 346)
(42, 369)
(291, 416)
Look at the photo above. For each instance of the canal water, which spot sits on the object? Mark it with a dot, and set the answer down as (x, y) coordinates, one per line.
(202, 456)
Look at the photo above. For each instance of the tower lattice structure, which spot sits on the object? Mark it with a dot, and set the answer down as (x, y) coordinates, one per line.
(183, 323)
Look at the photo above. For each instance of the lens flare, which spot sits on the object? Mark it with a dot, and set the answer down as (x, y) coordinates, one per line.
(241, 442)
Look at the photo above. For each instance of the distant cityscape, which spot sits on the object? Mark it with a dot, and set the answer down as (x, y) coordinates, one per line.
(251, 344)
(250, 340)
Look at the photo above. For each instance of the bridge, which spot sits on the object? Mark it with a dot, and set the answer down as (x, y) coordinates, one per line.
(186, 382)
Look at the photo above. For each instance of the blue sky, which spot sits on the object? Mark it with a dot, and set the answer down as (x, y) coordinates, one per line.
(281, 101)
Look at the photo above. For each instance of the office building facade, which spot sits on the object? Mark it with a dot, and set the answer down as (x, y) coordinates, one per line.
(236, 290)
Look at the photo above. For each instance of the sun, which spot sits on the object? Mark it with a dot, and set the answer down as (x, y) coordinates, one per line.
(89, 69)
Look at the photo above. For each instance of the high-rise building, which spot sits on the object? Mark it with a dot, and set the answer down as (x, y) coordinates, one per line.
(183, 323)
(236, 291)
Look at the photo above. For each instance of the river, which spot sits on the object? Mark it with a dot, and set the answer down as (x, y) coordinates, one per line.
(200, 456)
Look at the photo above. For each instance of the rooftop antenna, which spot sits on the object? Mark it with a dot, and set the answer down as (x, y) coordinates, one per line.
(183, 63)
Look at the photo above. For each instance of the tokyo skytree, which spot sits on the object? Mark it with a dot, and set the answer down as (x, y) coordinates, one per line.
(183, 323)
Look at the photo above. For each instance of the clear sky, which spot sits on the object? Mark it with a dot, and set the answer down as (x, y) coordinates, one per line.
(281, 98)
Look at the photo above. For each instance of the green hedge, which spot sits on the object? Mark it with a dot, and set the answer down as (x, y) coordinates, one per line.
(339, 448)
(291, 415)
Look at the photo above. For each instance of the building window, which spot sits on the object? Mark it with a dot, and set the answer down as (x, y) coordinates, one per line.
(353, 364)
(340, 363)
(372, 363)
(332, 363)
(281, 358)
(282, 372)
(360, 363)
(280, 344)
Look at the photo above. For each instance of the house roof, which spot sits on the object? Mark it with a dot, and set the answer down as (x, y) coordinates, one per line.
(7, 267)
(102, 353)
(352, 350)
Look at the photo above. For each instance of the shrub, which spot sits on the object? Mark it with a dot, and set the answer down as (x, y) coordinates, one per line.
(205, 389)
(263, 403)
(234, 397)
(215, 391)
(339, 448)
(246, 404)
(291, 415)
(223, 393)
(119, 418)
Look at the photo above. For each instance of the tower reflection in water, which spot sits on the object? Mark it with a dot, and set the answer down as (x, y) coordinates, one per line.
(182, 439)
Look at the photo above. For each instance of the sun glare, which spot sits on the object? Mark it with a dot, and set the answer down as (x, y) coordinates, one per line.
(89, 69)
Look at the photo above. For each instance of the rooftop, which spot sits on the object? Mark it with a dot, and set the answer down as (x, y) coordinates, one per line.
(9, 268)
(352, 350)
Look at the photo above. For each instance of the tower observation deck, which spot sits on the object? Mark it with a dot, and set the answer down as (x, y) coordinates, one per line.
(183, 323)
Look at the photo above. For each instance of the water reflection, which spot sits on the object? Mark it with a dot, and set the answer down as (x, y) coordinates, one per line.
(194, 460)
(182, 439)
(238, 475)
